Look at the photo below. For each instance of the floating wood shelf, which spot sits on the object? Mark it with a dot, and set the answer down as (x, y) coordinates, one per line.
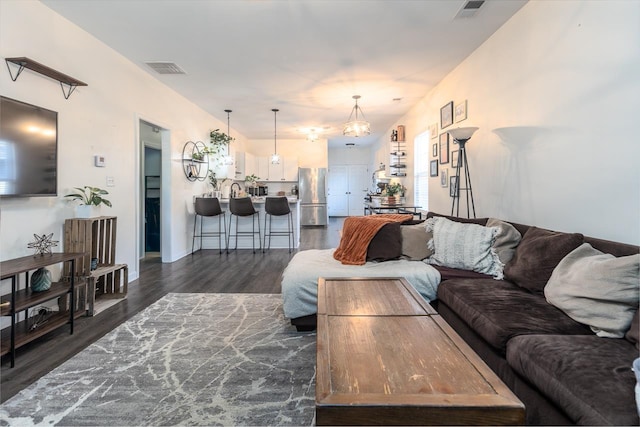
(23, 62)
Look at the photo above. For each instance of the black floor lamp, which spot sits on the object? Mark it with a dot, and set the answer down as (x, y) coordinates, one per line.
(461, 136)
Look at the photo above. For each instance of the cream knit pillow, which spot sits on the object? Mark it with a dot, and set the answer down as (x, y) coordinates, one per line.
(464, 246)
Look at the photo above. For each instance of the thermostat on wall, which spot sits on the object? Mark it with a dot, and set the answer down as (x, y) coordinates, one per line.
(99, 159)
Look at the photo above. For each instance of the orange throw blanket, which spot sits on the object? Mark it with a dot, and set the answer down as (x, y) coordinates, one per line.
(357, 233)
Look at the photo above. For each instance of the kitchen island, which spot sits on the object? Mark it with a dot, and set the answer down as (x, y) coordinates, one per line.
(244, 224)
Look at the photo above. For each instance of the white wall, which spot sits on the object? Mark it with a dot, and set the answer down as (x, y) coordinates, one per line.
(349, 156)
(556, 94)
(310, 154)
(101, 118)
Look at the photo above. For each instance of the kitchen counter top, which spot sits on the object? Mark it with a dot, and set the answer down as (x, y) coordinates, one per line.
(261, 199)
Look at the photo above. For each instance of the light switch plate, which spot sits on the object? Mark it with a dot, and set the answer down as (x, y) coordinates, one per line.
(110, 182)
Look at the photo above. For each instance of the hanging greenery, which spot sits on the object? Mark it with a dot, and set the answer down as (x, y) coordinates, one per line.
(219, 142)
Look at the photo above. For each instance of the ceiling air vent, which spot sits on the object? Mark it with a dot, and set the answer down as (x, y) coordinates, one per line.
(162, 67)
(469, 9)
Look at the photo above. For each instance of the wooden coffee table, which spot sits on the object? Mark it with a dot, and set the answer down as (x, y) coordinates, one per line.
(384, 356)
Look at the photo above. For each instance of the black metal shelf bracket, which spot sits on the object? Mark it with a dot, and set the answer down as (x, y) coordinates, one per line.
(20, 68)
(72, 87)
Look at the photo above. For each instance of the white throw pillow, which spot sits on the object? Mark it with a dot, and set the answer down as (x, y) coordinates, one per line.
(464, 246)
(596, 289)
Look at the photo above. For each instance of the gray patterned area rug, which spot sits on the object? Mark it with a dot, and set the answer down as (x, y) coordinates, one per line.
(188, 359)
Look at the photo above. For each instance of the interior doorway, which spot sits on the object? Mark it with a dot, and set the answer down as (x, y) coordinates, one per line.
(151, 200)
(152, 191)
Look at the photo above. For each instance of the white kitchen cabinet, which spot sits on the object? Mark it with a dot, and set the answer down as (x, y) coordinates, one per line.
(250, 164)
(240, 166)
(286, 170)
(290, 169)
(263, 168)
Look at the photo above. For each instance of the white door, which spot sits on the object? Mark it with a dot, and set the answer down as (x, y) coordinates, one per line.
(337, 191)
(358, 188)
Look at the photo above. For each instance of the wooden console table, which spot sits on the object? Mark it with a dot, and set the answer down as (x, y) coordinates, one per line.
(385, 357)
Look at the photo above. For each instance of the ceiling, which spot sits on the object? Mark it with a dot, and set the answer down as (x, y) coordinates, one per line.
(307, 57)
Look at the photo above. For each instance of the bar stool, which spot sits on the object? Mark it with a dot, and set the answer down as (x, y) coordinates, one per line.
(209, 207)
(278, 206)
(243, 207)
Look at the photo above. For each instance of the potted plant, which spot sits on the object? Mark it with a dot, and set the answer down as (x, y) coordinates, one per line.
(216, 184)
(89, 197)
(252, 180)
(394, 189)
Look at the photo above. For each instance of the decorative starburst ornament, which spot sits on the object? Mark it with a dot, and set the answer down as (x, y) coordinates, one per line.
(43, 244)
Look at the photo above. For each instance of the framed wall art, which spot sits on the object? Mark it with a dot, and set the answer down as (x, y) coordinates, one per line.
(460, 111)
(433, 131)
(453, 186)
(455, 155)
(446, 115)
(443, 178)
(433, 170)
(435, 150)
(444, 148)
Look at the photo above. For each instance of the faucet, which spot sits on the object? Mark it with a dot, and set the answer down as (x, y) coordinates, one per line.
(233, 193)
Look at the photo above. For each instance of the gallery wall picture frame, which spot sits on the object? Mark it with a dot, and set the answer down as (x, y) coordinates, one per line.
(455, 155)
(433, 130)
(444, 148)
(433, 168)
(435, 150)
(460, 111)
(446, 115)
(443, 178)
(453, 186)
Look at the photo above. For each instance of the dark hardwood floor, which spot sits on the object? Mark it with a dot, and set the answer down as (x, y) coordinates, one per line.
(204, 271)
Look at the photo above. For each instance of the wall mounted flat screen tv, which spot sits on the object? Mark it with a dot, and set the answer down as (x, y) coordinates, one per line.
(28, 149)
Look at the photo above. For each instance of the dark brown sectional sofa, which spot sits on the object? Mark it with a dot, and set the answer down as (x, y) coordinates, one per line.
(561, 370)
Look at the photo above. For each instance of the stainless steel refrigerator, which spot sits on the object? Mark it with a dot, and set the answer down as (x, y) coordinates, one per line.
(312, 188)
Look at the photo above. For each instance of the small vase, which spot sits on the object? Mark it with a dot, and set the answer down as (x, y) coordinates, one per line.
(84, 211)
(41, 280)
